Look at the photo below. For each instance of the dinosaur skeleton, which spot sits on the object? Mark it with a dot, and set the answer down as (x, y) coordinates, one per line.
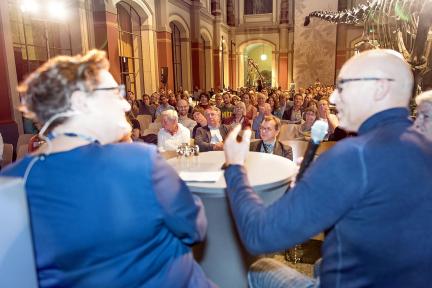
(254, 67)
(401, 25)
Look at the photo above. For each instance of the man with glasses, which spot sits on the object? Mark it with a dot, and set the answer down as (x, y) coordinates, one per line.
(269, 129)
(370, 193)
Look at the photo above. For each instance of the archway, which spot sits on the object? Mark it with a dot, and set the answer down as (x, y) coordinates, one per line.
(261, 52)
(181, 52)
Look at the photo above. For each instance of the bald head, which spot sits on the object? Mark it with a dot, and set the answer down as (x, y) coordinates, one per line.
(383, 64)
(371, 82)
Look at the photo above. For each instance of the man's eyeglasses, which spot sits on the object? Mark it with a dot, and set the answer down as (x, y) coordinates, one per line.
(265, 129)
(119, 90)
(341, 81)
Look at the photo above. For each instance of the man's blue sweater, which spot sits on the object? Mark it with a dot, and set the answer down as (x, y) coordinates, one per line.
(373, 193)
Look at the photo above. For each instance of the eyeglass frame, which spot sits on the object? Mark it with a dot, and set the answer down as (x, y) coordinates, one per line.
(341, 81)
(121, 88)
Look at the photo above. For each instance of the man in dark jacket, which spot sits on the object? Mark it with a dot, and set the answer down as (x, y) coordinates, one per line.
(210, 137)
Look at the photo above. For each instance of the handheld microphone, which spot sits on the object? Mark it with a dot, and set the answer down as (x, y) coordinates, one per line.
(318, 131)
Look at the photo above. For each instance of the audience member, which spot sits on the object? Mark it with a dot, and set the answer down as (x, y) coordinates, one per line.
(204, 101)
(423, 120)
(303, 131)
(210, 137)
(173, 133)
(356, 191)
(198, 116)
(269, 130)
(251, 110)
(325, 115)
(163, 105)
(239, 116)
(294, 113)
(264, 110)
(146, 108)
(227, 110)
(218, 100)
(183, 109)
(102, 214)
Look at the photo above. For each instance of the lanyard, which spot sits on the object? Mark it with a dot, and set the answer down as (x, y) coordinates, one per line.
(90, 139)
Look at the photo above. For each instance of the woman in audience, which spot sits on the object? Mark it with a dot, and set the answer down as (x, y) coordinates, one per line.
(240, 116)
(172, 99)
(102, 214)
(294, 113)
(251, 110)
(303, 131)
(154, 100)
(325, 115)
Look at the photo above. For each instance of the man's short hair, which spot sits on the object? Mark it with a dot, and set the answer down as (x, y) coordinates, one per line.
(275, 119)
(170, 115)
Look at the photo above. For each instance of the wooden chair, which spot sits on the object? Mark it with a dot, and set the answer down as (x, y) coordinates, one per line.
(23, 139)
(298, 146)
(7, 154)
(144, 121)
(287, 132)
(22, 151)
(324, 146)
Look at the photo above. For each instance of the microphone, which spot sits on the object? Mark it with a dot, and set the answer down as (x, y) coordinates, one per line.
(318, 131)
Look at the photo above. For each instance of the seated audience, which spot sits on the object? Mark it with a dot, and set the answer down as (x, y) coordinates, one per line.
(172, 134)
(251, 110)
(146, 108)
(325, 115)
(294, 114)
(303, 130)
(163, 105)
(135, 104)
(279, 111)
(264, 110)
(204, 101)
(423, 120)
(218, 100)
(198, 116)
(227, 109)
(239, 116)
(235, 99)
(210, 137)
(183, 109)
(103, 214)
(269, 130)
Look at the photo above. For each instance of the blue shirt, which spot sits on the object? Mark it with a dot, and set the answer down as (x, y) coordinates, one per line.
(372, 193)
(112, 216)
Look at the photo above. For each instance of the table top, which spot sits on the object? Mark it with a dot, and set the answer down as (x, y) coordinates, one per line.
(265, 171)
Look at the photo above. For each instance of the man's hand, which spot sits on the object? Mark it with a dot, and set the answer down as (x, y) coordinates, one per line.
(218, 146)
(236, 151)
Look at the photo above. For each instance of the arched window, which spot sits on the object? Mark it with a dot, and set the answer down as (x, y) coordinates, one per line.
(177, 56)
(130, 48)
(36, 39)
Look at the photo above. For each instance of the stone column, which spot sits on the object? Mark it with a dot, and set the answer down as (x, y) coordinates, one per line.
(217, 42)
(232, 62)
(10, 118)
(106, 34)
(230, 13)
(283, 44)
(164, 45)
(197, 49)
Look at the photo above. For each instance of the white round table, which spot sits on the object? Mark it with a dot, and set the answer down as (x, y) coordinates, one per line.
(222, 256)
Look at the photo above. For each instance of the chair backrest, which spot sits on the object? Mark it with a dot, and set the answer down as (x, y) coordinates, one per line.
(23, 139)
(144, 121)
(22, 151)
(17, 261)
(287, 132)
(7, 154)
(298, 146)
(324, 146)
